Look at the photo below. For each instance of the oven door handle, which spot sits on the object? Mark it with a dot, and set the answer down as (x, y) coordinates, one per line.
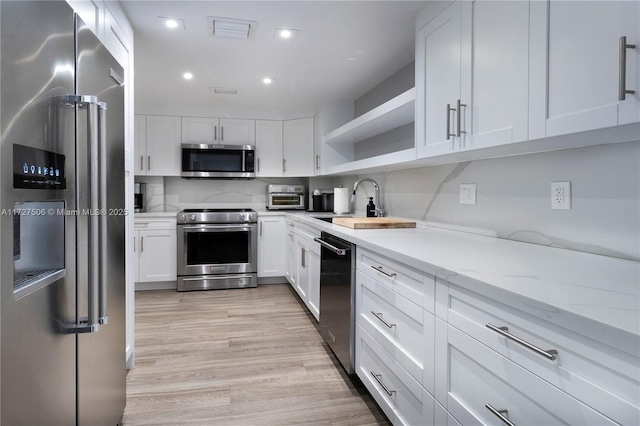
(219, 228)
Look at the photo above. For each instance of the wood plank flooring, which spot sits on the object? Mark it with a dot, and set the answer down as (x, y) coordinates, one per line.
(237, 357)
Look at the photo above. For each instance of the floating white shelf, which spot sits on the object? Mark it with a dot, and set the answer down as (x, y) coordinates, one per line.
(380, 162)
(392, 114)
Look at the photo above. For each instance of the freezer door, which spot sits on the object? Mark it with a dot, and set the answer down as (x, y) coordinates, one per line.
(38, 356)
(101, 355)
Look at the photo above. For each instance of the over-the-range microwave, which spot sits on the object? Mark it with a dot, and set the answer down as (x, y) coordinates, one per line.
(218, 161)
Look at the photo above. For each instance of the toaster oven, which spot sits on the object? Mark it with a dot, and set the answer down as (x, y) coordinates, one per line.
(286, 197)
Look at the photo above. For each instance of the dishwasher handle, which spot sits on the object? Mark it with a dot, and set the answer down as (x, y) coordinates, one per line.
(336, 250)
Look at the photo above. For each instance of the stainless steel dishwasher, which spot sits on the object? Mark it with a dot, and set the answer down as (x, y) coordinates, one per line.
(337, 297)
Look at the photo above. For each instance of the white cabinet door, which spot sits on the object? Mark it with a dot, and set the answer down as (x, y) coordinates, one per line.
(575, 66)
(271, 246)
(199, 130)
(268, 148)
(314, 280)
(302, 266)
(163, 145)
(494, 73)
(140, 145)
(92, 13)
(158, 255)
(298, 147)
(290, 270)
(237, 132)
(438, 83)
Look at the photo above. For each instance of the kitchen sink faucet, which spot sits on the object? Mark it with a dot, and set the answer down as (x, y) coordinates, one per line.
(379, 210)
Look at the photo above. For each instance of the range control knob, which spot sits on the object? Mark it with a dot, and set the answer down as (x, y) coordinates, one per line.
(192, 217)
(242, 217)
(182, 216)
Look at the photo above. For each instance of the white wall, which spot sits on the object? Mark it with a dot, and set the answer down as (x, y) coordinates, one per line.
(514, 198)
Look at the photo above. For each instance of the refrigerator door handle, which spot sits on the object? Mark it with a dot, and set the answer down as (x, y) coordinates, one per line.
(103, 318)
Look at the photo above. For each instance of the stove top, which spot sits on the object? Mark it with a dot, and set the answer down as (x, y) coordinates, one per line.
(195, 216)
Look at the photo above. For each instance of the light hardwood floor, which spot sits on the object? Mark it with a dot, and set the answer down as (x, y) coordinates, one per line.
(237, 357)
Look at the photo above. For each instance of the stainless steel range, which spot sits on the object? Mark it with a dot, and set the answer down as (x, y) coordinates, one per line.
(217, 249)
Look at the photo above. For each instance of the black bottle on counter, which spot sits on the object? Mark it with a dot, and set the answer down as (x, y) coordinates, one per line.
(371, 208)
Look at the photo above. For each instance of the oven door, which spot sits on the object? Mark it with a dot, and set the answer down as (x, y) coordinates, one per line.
(217, 249)
(284, 201)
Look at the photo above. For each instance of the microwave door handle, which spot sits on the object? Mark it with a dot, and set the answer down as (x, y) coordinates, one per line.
(103, 317)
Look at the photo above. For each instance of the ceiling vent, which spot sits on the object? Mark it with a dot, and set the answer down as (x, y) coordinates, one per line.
(223, 91)
(231, 28)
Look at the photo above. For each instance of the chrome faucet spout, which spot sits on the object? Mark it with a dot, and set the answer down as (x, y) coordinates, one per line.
(376, 187)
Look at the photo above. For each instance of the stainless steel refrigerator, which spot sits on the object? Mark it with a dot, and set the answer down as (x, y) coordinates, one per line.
(62, 295)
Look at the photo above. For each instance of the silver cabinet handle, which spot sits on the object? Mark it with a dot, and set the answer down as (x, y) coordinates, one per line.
(141, 244)
(501, 414)
(449, 109)
(317, 162)
(134, 244)
(258, 161)
(284, 165)
(622, 79)
(551, 354)
(222, 133)
(215, 133)
(386, 389)
(379, 316)
(261, 229)
(149, 162)
(379, 269)
(459, 123)
(291, 224)
(302, 256)
(142, 162)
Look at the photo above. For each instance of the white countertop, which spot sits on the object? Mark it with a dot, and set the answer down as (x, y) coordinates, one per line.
(599, 295)
(150, 215)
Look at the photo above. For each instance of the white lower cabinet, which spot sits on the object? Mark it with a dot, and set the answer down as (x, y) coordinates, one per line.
(302, 264)
(431, 352)
(156, 248)
(483, 387)
(271, 244)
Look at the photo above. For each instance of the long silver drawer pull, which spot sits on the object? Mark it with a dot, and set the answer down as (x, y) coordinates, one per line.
(379, 316)
(449, 109)
(386, 389)
(459, 130)
(379, 269)
(501, 414)
(550, 354)
(622, 78)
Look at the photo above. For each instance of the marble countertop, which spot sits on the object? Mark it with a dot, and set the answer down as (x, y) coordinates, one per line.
(599, 295)
(149, 215)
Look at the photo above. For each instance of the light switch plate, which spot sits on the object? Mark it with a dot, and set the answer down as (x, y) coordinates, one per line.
(560, 195)
(467, 193)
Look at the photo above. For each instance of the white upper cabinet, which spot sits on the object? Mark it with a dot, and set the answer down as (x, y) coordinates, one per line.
(438, 83)
(223, 131)
(140, 144)
(92, 13)
(268, 148)
(237, 131)
(577, 65)
(472, 65)
(494, 73)
(199, 130)
(163, 145)
(298, 148)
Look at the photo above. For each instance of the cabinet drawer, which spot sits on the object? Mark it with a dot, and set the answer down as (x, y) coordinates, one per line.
(480, 378)
(402, 328)
(600, 376)
(410, 283)
(402, 399)
(155, 223)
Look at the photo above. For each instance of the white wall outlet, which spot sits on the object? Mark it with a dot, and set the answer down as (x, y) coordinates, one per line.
(561, 195)
(467, 193)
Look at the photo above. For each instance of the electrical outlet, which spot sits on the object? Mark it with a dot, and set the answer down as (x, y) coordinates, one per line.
(561, 195)
(468, 193)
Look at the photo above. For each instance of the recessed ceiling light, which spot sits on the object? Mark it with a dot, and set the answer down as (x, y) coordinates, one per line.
(172, 23)
(268, 80)
(285, 33)
(187, 76)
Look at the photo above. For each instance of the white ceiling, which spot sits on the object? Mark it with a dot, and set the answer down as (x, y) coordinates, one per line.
(343, 49)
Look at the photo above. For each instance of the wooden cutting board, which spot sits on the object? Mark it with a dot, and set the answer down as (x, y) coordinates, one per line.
(373, 222)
